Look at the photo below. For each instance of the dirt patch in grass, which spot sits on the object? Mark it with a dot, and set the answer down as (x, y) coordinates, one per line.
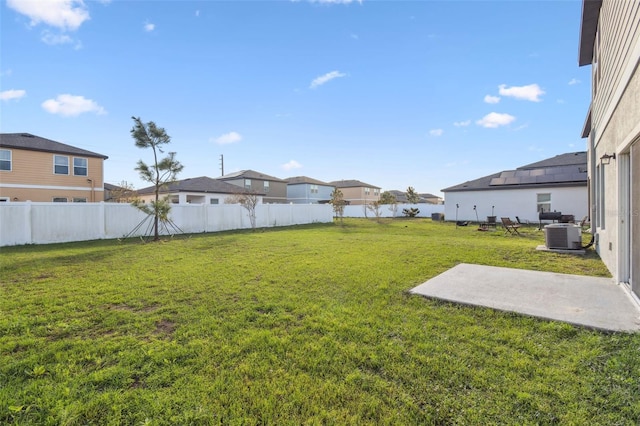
(165, 327)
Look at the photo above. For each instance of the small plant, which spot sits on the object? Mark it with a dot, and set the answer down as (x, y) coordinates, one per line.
(411, 212)
(374, 207)
(338, 202)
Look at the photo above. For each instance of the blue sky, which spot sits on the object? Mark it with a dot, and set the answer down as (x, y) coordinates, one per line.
(426, 94)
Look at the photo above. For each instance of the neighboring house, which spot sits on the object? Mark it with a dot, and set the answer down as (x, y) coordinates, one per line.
(273, 188)
(556, 184)
(610, 42)
(200, 190)
(33, 168)
(305, 190)
(356, 192)
(401, 197)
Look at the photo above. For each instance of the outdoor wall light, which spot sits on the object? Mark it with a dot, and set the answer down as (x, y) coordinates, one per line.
(606, 158)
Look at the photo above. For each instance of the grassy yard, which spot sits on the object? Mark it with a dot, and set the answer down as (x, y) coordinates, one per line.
(302, 325)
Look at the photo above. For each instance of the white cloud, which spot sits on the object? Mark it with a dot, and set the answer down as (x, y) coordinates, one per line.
(148, 27)
(8, 95)
(6, 73)
(573, 81)
(462, 123)
(70, 106)
(319, 81)
(492, 99)
(495, 119)
(293, 164)
(62, 14)
(227, 138)
(531, 92)
(436, 132)
(53, 39)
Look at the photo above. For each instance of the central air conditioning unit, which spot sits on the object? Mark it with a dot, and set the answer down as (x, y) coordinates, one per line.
(565, 236)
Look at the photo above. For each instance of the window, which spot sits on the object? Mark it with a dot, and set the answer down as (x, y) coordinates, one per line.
(59, 200)
(376, 191)
(544, 202)
(79, 199)
(314, 189)
(5, 160)
(80, 166)
(247, 183)
(266, 186)
(367, 191)
(214, 201)
(60, 165)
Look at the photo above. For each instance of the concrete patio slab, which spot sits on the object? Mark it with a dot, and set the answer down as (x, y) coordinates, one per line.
(592, 302)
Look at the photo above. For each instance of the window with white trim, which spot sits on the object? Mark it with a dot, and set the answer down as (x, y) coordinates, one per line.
(367, 191)
(247, 183)
(543, 202)
(214, 201)
(59, 200)
(266, 186)
(79, 199)
(314, 189)
(80, 166)
(5, 160)
(60, 165)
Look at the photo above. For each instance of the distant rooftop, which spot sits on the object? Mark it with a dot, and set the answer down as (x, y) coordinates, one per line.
(304, 179)
(249, 174)
(562, 170)
(202, 184)
(351, 184)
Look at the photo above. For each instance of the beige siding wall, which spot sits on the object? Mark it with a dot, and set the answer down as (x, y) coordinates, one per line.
(358, 195)
(615, 118)
(618, 34)
(32, 178)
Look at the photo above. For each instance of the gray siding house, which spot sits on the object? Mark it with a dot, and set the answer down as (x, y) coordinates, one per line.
(273, 188)
(305, 190)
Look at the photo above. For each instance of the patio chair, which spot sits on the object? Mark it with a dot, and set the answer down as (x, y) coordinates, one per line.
(510, 226)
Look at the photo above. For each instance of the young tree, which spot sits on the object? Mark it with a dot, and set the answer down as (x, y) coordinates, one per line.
(374, 207)
(338, 203)
(160, 173)
(412, 196)
(390, 200)
(124, 192)
(249, 201)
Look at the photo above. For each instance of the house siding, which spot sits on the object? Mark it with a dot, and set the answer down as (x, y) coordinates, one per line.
(301, 193)
(615, 129)
(514, 202)
(32, 178)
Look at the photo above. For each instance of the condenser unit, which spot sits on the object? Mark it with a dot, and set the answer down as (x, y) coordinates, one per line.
(565, 236)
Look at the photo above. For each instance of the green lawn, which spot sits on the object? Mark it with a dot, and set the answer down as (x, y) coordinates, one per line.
(301, 325)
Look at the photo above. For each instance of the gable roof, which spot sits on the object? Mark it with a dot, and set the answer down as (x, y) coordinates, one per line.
(401, 196)
(562, 170)
(297, 180)
(202, 184)
(352, 183)
(249, 174)
(30, 142)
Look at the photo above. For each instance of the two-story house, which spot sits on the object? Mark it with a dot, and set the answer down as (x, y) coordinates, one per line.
(33, 168)
(305, 190)
(610, 43)
(273, 188)
(356, 192)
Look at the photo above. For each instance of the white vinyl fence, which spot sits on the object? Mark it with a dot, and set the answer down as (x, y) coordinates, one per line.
(426, 210)
(44, 223)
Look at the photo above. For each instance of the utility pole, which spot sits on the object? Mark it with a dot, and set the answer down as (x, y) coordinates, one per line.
(221, 165)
